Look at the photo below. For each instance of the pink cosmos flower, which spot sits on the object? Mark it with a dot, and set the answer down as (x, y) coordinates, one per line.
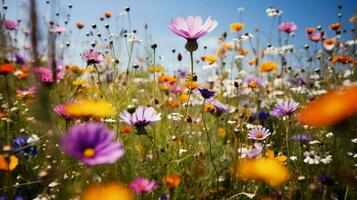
(315, 37)
(11, 25)
(58, 29)
(142, 185)
(192, 28)
(44, 74)
(287, 27)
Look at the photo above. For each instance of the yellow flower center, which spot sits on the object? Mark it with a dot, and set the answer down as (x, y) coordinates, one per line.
(89, 153)
(259, 134)
(253, 84)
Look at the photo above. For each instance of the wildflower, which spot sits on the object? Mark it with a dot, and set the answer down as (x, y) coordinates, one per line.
(287, 27)
(259, 133)
(315, 37)
(310, 30)
(301, 138)
(8, 163)
(191, 84)
(335, 26)
(127, 129)
(191, 29)
(253, 82)
(79, 25)
(6, 69)
(264, 169)
(89, 108)
(140, 117)
(344, 59)
(92, 143)
(107, 14)
(142, 185)
(268, 66)
(236, 27)
(329, 43)
(311, 158)
(107, 191)
(58, 29)
(331, 108)
(23, 147)
(45, 75)
(153, 69)
(92, 56)
(272, 12)
(221, 132)
(326, 160)
(60, 111)
(270, 154)
(172, 180)
(11, 25)
(175, 116)
(219, 107)
(285, 108)
(209, 59)
(31, 91)
(206, 94)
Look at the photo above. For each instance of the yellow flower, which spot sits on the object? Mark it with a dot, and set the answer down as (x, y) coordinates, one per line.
(268, 66)
(90, 70)
(79, 82)
(90, 108)
(152, 69)
(264, 169)
(209, 107)
(236, 27)
(108, 191)
(8, 165)
(191, 84)
(209, 59)
(221, 132)
(280, 158)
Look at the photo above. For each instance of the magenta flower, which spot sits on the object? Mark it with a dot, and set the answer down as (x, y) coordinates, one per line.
(92, 143)
(191, 29)
(60, 111)
(259, 133)
(284, 108)
(58, 29)
(44, 74)
(92, 56)
(11, 25)
(315, 37)
(142, 185)
(287, 27)
(30, 91)
(141, 117)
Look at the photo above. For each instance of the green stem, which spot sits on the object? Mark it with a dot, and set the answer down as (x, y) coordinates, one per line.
(209, 143)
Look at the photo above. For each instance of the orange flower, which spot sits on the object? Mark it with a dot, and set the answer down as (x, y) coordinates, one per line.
(191, 84)
(127, 129)
(6, 68)
(108, 191)
(329, 43)
(79, 25)
(172, 180)
(221, 132)
(270, 154)
(254, 61)
(268, 66)
(209, 59)
(243, 52)
(209, 107)
(353, 19)
(107, 14)
(335, 26)
(331, 108)
(8, 164)
(236, 27)
(310, 30)
(344, 59)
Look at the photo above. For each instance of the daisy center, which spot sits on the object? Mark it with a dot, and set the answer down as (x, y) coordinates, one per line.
(89, 152)
(259, 134)
(253, 84)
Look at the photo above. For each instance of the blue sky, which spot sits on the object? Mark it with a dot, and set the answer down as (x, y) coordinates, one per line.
(158, 13)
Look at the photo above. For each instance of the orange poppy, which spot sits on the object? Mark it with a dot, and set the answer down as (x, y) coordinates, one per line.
(310, 30)
(331, 108)
(335, 26)
(172, 180)
(6, 68)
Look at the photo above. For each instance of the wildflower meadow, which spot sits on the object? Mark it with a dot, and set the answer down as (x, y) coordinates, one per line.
(175, 100)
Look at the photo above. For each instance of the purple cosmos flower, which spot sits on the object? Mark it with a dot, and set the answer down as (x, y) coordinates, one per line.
(141, 117)
(92, 143)
(206, 93)
(20, 59)
(44, 74)
(142, 185)
(192, 28)
(259, 133)
(92, 56)
(253, 82)
(284, 108)
(220, 107)
(11, 25)
(287, 27)
(301, 138)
